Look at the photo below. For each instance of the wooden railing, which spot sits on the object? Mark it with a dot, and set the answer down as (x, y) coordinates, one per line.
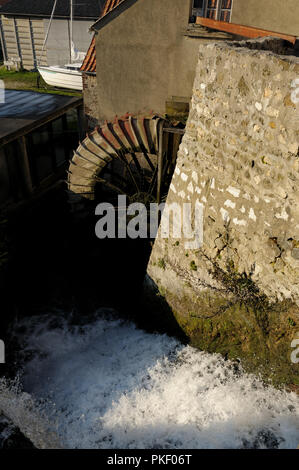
(241, 30)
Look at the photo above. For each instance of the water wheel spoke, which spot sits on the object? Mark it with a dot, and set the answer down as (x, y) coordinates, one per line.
(121, 178)
(153, 181)
(137, 164)
(150, 163)
(110, 185)
(123, 158)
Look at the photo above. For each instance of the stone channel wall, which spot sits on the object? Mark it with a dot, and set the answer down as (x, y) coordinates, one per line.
(239, 293)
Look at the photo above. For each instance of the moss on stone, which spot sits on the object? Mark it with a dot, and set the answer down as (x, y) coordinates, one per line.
(256, 332)
(161, 263)
(193, 266)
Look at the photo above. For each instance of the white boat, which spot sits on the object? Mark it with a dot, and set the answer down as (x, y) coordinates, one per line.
(69, 75)
(64, 76)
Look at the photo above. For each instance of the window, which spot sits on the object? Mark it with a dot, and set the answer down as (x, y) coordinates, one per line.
(225, 10)
(214, 9)
(198, 7)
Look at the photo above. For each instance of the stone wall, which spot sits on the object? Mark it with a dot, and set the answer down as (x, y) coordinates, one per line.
(239, 293)
(90, 100)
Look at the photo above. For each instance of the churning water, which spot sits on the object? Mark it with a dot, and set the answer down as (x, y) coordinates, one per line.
(107, 384)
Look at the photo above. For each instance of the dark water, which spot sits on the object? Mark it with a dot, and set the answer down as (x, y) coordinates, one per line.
(87, 377)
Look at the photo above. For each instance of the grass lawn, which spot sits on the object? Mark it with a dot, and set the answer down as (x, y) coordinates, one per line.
(23, 80)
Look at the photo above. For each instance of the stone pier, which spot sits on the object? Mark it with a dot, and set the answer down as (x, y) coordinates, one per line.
(238, 294)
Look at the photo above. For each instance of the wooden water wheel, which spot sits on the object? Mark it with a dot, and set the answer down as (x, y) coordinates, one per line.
(134, 156)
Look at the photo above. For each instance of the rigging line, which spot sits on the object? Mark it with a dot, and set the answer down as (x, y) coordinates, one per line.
(48, 31)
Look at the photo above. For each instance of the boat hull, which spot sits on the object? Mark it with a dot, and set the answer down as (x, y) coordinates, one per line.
(62, 78)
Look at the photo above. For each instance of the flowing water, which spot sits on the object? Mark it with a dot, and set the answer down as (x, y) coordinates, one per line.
(106, 384)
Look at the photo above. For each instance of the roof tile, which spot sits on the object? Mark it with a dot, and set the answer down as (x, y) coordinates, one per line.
(89, 63)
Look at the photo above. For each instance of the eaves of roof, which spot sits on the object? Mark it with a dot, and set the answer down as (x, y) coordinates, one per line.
(89, 64)
(112, 9)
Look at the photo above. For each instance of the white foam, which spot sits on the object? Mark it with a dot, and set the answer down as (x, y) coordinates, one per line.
(114, 386)
(28, 415)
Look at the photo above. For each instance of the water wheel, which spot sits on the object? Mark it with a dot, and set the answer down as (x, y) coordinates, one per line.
(131, 156)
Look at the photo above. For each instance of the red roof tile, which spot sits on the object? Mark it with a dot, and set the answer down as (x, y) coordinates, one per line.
(110, 4)
(89, 63)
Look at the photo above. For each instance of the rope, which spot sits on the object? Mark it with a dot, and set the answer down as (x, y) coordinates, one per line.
(48, 30)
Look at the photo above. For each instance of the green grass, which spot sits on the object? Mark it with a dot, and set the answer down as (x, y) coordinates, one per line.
(24, 80)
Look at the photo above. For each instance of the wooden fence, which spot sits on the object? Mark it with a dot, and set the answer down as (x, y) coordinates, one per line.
(22, 41)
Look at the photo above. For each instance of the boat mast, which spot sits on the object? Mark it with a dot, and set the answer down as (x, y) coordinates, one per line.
(71, 28)
(47, 33)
